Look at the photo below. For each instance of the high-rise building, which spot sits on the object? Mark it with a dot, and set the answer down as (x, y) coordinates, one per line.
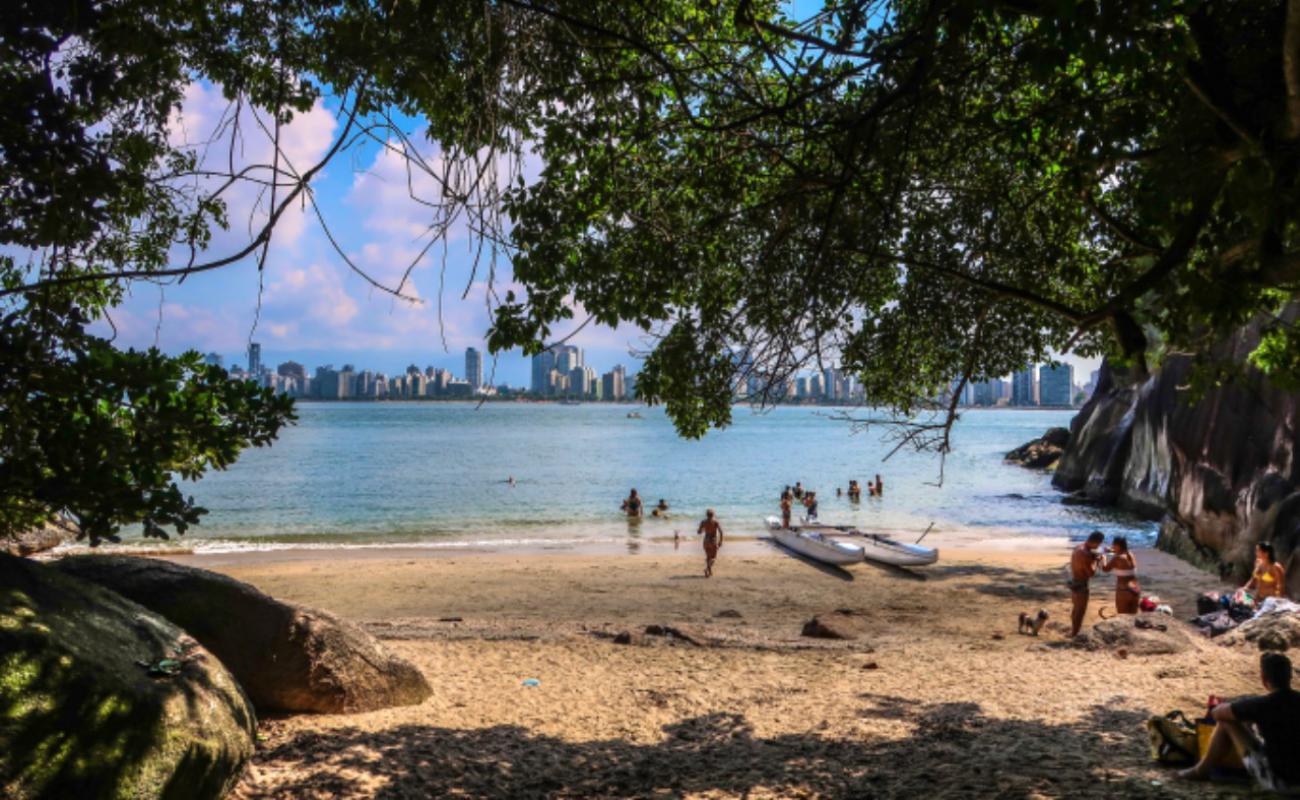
(254, 358)
(543, 365)
(474, 368)
(1024, 391)
(214, 360)
(292, 369)
(1056, 385)
(614, 384)
(567, 358)
(578, 385)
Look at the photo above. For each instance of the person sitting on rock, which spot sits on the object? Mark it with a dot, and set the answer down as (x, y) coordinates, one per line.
(1269, 578)
(1271, 753)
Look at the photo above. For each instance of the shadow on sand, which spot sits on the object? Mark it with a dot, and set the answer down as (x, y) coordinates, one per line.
(945, 750)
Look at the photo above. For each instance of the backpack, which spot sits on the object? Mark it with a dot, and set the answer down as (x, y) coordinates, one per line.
(1173, 739)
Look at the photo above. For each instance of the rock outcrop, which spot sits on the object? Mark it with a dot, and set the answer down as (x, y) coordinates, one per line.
(1268, 631)
(287, 658)
(47, 537)
(1158, 635)
(1043, 452)
(1219, 470)
(81, 715)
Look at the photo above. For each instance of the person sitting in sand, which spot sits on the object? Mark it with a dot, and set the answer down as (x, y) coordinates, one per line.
(1270, 753)
(660, 510)
(711, 529)
(1123, 566)
(1083, 565)
(1269, 578)
(787, 501)
(632, 505)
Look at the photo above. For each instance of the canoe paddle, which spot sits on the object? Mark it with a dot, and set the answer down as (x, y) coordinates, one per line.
(922, 536)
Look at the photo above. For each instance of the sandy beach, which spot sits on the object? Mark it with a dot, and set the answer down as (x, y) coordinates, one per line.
(936, 696)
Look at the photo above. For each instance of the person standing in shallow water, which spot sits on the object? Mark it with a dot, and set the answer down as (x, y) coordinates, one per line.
(632, 506)
(786, 502)
(711, 529)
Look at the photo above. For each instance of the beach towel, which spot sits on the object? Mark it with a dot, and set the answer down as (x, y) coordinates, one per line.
(1277, 605)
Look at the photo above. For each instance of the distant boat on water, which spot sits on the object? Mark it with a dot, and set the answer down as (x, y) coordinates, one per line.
(570, 402)
(634, 415)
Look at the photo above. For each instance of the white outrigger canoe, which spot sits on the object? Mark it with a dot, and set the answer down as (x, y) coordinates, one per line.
(874, 546)
(815, 544)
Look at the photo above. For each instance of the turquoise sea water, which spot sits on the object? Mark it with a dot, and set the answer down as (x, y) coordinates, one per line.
(436, 474)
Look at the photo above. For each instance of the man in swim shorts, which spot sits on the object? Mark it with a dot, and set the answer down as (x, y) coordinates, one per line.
(711, 529)
(1083, 565)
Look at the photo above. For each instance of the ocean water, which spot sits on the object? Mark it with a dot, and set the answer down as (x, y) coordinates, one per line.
(436, 474)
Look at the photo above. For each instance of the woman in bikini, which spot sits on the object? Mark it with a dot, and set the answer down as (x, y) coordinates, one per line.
(1269, 578)
(1123, 566)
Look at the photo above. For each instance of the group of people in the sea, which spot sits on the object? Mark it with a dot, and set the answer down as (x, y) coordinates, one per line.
(808, 498)
(635, 509)
(709, 528)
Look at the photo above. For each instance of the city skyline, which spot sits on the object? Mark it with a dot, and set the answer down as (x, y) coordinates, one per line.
(561, 372)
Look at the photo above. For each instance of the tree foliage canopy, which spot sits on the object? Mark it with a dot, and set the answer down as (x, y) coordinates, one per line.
(920, 190)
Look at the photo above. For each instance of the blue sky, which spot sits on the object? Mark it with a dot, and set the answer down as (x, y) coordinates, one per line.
(313, 308)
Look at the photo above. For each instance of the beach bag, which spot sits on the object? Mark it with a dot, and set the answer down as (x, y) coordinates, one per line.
(1208, 603)
(1173, 739)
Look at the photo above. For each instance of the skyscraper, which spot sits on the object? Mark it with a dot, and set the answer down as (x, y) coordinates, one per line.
(1056, 385)
(474, 368)
(543, 364)
(1023, 389)
(254, 358)
(614, 384)
(213, 359)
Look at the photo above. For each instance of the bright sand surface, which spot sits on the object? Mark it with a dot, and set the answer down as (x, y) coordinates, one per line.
(937, 697)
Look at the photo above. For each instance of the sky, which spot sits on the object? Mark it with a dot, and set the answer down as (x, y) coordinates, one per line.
(313, 307)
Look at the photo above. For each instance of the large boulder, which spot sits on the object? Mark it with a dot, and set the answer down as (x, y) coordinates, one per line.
(81, 715)
(287, 657)
(1278, 631)
(47, 537)
(1159, 635)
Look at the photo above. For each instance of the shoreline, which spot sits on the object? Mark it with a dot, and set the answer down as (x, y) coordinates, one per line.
(951, 540)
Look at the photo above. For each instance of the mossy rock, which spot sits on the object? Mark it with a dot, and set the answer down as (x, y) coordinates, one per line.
(81, 715)
(287, 658)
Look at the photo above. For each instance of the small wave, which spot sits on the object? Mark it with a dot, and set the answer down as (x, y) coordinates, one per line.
(217, 546)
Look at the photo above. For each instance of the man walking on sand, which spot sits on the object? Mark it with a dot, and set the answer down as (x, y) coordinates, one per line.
(1083, 565)
(712, 531)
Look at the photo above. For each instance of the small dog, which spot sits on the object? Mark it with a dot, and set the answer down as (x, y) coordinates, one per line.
(1031, 625)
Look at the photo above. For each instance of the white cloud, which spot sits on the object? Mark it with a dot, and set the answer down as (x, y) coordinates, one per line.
(224, 137)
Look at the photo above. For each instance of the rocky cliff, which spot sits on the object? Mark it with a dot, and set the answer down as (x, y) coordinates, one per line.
(1219, 471)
